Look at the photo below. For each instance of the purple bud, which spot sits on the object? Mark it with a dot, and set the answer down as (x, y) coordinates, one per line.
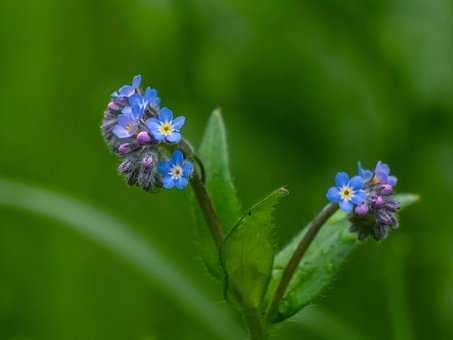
(378, 202)
(143, 137)
(361, 209)
(125, 166)
(387, 189)
(112, 106)
(124, 148)
(392, 205)
(147, 161)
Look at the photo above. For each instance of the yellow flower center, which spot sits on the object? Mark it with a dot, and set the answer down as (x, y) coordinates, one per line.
(166, 128)
(176, 171)
(346, 193)
(130, 127)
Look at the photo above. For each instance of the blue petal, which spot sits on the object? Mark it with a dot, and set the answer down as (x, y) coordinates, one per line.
(164, 168)
(179, 122)
(153, 125)
(126, 91)
(356, 183)
(150, 94)
(359, 197)
(382, 169)
(333, 195)
(124, 119)
(181, 182)
(177, 157)
(137, 112)
(121, 132)
(392, 180)
(127, 110)
(346, 206)
(136, 81)
(187, 168)
(168, 182)
(364, 173)
(165, 114)
(174, 137)
(136, 99)
(341, 179)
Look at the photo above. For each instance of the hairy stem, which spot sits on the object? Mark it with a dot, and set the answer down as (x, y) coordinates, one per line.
(290, 269)
(205, 203)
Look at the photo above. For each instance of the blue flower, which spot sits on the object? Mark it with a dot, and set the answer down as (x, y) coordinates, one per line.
(148, 98)
(382, 173)
(176, 171)
(347, 192)
(129, 90)
(165, 128)
(127, 123)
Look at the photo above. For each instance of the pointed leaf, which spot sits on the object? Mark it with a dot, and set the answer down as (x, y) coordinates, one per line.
(248, 253)
(219, 184)
(319, 265)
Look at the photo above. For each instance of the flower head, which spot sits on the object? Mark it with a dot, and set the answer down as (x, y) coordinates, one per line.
(129, 90)
(347, 192)
(176, 171)
(164, 127)
(142, 135)
(376, 215)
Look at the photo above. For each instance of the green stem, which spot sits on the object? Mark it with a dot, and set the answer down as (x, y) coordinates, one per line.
(206, 206)
(202, 196)
(290, 269)
(255, 325)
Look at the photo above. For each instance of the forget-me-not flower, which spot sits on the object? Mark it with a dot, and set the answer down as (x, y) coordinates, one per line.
(382, 174)
(176, 171)
(129, 90)
(347, 192)
(128, 123)
(164, 127)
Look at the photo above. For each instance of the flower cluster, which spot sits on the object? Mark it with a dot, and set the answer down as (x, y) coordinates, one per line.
(369, 200)
(143, 135)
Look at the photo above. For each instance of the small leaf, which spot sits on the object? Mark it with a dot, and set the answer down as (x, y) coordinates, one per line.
(219, 184)
(248, 253)
(319, 265)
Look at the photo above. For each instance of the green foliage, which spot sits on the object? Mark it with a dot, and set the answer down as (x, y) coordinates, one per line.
(248, 253)
(119, 238)
(219, 184)
(318, 267)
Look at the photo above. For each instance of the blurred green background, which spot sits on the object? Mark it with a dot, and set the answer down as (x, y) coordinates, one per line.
(307, 88)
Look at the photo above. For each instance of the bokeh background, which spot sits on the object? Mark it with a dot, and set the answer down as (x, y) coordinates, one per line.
(307, 88)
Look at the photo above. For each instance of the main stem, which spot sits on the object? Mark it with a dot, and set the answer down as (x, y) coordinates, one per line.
(205, 203)
(255, 325)
(302, 247)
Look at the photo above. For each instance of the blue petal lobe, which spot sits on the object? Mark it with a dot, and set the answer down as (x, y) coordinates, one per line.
(168, 182)
(177, 157)
(356, 182)
(175, 137)
(359, 197)
(165, 114)
(341, 179)
(346, 206)
(179, 122)
(333, 195)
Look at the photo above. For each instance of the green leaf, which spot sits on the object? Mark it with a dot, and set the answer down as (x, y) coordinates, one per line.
(248, 253)
(319, 265)
(219, 184)
(120, 239)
